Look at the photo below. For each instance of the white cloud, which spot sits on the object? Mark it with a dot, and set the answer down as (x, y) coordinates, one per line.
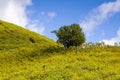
(47, 16)
(113, 40)
(99, 15)
(52, 14)
(15, 11)
(36, 27)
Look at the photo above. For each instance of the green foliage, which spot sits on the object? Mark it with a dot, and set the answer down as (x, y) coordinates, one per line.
(25, 55)
(100, 63)
(70, 35)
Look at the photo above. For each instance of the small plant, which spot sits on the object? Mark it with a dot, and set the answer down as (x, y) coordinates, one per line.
(32, 40)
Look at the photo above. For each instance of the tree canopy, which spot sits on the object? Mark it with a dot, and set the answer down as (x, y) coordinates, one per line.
(70, 35)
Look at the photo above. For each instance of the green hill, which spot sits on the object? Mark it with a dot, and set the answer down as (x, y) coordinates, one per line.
(17, 42)
(26, 55)
(15, 35)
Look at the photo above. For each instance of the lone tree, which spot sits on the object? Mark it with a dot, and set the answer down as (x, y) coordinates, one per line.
(70, 35)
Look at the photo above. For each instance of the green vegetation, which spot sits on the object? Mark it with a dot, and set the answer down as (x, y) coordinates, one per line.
(70, 35)
(26, 55)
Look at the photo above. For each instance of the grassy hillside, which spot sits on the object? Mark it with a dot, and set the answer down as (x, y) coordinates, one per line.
(18, 44)
(15, 40)
(13, 34)
(26, 55)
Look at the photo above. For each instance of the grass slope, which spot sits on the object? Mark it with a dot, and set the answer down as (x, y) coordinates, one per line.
(18, 44)
(25, 55)
(13, 34)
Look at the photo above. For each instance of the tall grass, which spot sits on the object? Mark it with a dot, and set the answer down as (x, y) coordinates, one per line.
(84, 64)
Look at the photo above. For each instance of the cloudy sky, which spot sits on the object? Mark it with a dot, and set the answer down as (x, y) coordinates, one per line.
(100, 19)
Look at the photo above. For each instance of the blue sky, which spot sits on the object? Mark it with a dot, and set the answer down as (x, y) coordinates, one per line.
(100, 19)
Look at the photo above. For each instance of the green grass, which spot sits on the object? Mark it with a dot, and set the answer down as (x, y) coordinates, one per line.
(26, 55)
(72, 65)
